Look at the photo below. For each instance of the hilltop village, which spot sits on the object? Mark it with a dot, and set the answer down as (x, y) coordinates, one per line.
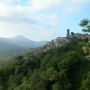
(63, 40)
(60, 41)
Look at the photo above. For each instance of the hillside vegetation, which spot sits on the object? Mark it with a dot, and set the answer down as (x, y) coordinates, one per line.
(63, 68)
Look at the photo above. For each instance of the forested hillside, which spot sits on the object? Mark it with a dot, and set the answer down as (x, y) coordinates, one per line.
(63, 68)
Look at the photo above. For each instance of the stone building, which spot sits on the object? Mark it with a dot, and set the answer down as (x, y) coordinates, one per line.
(60, 41)
(77, 35)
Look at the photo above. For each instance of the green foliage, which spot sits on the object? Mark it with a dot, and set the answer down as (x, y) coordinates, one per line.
(64, 68)
(56, 86)
(86, 82)
(85, 23)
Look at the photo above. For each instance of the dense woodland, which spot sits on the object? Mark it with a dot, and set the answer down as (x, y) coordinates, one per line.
(63, 68)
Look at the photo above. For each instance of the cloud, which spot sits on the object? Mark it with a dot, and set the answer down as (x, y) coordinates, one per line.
(53, 24)
(18, 0)
(31, 17)
(64, 5)
(52, 16)
(34, 32)
(43, 4)
(71, 6)
(18, 19)
(36, 5)
(20, 14)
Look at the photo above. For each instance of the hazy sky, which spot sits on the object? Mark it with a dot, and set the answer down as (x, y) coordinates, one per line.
(41, 19)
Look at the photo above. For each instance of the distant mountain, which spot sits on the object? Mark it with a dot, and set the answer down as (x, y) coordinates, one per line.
(27, 43)
(10, 45)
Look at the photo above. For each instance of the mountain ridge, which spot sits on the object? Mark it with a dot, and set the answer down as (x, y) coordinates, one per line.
(17, 43)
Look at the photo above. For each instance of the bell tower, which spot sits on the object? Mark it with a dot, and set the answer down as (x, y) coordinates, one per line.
(68, 32)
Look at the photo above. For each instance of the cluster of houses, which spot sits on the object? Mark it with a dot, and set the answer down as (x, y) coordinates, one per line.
(60, 41)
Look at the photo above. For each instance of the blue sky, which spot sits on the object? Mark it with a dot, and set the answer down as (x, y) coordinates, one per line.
(41, 19)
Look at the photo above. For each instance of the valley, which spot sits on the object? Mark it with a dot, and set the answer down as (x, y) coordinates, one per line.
(12, 46)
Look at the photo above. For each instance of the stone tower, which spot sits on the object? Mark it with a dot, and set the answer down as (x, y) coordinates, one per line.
(68, 32)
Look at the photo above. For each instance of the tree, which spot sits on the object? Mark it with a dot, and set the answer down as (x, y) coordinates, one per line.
(56, 86)
(86, 48)
(37, 82)
(63, 81)
(86, 83)
(72, 33)
(86, 24)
